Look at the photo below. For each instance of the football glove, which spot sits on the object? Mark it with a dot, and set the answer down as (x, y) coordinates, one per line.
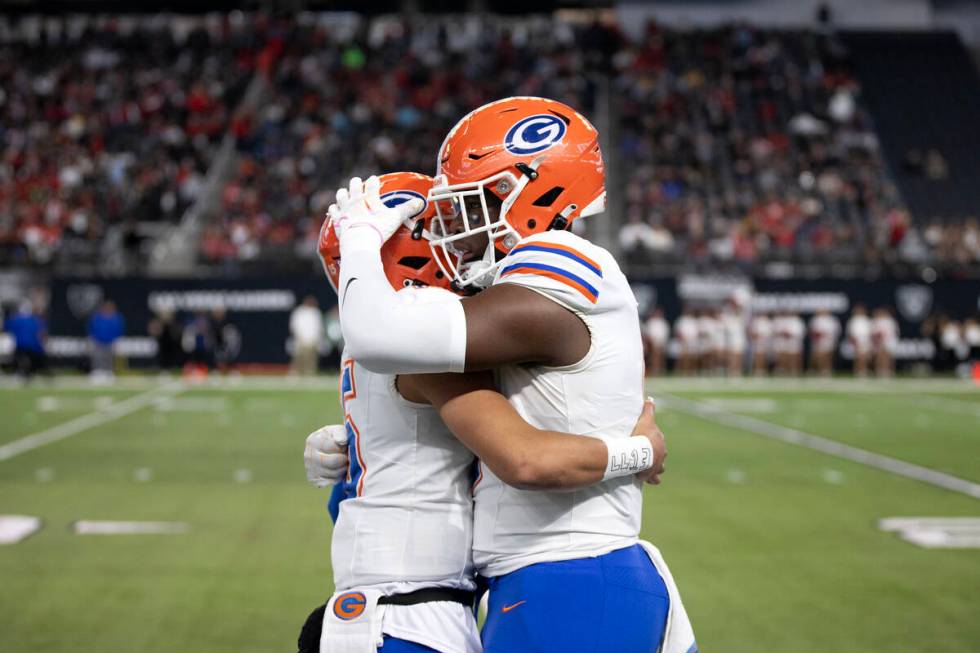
(325, 455)
(359, 211)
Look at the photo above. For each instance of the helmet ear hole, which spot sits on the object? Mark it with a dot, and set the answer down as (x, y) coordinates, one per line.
(407, 283)
(532, 223)
(439, 274)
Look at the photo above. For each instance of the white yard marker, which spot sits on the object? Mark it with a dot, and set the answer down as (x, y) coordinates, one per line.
(44, 475)
(143, 475)
(936, 532)
(14, 528)
(86, 422)
(824, 445)
(90, 527)
(242, 475)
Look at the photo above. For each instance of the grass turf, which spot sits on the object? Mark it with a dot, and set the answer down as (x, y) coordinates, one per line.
(775, 547)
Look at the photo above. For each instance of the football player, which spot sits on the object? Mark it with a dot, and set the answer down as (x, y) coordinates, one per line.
(401, 546)
(558, 322)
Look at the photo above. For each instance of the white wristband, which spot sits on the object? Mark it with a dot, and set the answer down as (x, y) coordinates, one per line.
(627, 456)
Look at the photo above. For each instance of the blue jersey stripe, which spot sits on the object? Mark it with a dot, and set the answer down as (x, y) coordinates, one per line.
(560, 252)
(559, 271)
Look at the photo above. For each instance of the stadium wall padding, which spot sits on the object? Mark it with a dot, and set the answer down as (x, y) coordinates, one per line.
(260, 308)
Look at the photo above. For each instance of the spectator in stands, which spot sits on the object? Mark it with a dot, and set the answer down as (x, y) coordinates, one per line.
(105, 328)
(824, 334)
(859, 337)
(884, 338)
(657, 332)
(306, 329)
(29, 331)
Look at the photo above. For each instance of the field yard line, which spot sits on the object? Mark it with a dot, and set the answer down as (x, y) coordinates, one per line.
(823, 445)
(947, 405)
(91, 420)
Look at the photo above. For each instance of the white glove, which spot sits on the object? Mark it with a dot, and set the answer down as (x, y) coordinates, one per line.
(325, 455)
(359, 211)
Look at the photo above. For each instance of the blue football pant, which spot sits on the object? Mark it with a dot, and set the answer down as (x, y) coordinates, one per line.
(614, 603)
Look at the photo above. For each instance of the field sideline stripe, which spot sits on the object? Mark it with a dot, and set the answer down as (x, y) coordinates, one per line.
(823, 445)
(91, 420)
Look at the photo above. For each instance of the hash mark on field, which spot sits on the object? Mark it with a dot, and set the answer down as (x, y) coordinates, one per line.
(242, 475)
(86, 422)
(736, 476)
(833, 476)
(143, 475)
(44, 475)
(823, 445)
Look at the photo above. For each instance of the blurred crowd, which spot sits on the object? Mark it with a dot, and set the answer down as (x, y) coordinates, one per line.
(730, 146)
(742, 145)
(109, 124)
(377, 96)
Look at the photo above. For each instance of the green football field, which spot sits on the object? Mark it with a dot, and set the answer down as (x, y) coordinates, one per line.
(772, 534)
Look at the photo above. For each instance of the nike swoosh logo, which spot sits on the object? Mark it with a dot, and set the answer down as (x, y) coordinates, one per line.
(508, 608)
(344, 295)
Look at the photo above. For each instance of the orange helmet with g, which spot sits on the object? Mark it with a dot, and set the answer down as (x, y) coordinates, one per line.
(538, 159)
(406, 256)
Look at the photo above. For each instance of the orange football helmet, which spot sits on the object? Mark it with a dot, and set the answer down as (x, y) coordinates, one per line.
(539, 157)
(406, 256)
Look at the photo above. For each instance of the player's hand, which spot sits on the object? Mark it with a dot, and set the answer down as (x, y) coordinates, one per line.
(359, 209)
(646, 426)
(325, 455)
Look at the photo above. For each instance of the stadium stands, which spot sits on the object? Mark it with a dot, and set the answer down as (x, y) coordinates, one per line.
(106, 125)
(734, 147)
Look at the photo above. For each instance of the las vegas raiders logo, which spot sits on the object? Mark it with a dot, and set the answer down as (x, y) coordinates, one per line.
(914, 302)
(534, 134)
(396, 197)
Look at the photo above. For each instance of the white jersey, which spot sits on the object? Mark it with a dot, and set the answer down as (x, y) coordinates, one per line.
(710, 335)
(859, 332)
(686, 331)
(760, 331)
(824, 332)
(600, 395)
(658, 331)
(734, 330)
(884, 333)
(406, 521)
(789, 334)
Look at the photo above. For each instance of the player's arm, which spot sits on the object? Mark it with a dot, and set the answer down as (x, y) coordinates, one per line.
(390, 332)
(526, 457)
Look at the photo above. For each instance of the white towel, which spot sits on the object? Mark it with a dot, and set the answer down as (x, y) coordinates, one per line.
(679, 636)
(352, 622)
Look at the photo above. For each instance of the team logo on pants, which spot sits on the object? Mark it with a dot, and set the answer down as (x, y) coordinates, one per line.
(349, 605)
(534, 134)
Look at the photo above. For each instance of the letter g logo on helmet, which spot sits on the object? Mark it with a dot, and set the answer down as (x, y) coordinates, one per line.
(534, 134)
(396, 197)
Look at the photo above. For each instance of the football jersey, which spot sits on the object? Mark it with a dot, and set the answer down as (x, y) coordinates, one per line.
(405, 515)
(824, 331)
(602, 394)
(658, 331)
(859, 331)
(884, 331)
(761, 331)
(734, 332)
